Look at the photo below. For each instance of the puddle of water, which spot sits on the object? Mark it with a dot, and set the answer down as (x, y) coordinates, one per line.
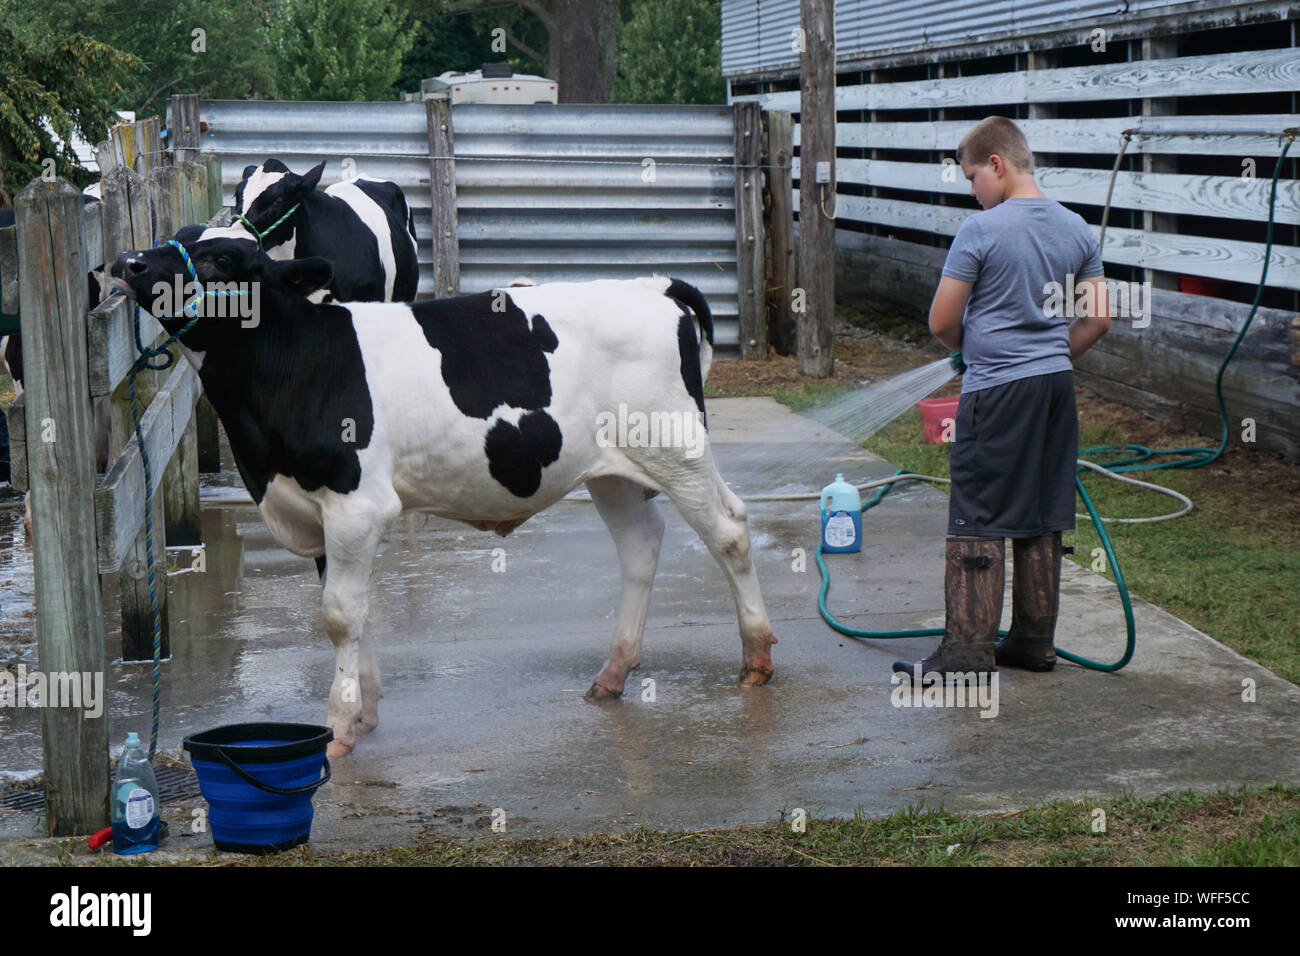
(17, 590)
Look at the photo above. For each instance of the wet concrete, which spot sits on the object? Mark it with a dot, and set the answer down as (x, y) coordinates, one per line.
(484, 673)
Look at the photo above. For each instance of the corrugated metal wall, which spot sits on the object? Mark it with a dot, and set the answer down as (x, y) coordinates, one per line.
(556, 193)
(567, 197)
(383, 141)
(757, 34)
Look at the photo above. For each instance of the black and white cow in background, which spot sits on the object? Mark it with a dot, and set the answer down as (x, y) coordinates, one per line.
(362, 226)
(483, 408)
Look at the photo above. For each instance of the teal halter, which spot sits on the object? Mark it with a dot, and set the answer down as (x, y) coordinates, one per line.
(240, 217)
(161, 357)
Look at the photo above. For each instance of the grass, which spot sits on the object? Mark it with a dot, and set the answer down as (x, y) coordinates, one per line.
(1257, 826)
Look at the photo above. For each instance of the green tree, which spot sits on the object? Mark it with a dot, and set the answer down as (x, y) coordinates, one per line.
(216, 49)
(51, 90)
(338, 49)
(670, 51)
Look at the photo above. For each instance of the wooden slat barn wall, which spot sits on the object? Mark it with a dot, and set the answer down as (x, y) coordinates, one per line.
(1187, 210)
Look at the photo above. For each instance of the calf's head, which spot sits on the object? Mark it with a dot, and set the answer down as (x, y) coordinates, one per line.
(225, 266)
(269, 191)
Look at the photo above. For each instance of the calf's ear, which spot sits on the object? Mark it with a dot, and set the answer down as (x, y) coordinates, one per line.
(188, 235)
(308, 180)
(303, 276)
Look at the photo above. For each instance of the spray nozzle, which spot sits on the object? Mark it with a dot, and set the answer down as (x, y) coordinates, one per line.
(958, 363)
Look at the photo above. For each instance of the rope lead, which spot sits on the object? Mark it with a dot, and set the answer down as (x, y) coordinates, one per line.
(156, 360)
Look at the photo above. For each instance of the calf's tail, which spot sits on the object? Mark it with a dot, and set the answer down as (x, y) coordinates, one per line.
(693, 299)
(689, 297)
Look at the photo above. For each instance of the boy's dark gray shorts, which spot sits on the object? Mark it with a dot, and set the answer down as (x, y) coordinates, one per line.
(1013, 459)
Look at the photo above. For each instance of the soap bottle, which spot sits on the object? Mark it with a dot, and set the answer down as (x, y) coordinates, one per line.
(135, 801)
(841, 518)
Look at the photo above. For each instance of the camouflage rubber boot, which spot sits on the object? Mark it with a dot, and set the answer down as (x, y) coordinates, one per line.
(974, 575)
(1036, 598)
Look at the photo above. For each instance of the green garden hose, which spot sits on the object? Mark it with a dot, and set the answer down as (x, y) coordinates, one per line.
(1200, 457)
(857, 634)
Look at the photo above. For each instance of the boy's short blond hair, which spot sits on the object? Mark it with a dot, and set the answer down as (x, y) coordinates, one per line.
(996, 134)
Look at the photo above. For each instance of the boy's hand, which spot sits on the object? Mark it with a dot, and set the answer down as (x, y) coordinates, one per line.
(947, 309)
(1088, 328)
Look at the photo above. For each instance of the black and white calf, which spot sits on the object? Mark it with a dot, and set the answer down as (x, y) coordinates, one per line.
(483, 408)
(362, 226)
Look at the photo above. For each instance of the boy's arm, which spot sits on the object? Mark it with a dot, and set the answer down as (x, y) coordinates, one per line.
(1087, 329)
(947, 309)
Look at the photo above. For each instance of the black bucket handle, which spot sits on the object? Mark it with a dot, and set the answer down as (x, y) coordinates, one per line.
(271, 788)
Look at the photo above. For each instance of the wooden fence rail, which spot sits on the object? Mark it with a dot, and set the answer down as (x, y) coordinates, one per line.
(1157, 192)
(1219, 74)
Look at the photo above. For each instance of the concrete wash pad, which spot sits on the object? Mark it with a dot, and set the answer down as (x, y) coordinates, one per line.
(484, 672)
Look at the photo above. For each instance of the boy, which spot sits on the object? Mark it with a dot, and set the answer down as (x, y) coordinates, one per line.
(1013, 456)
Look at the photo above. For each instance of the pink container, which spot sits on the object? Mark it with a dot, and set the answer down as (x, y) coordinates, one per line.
(938, 414)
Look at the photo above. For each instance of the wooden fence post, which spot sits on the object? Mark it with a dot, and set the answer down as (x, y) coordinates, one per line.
(121, 146)
(201, 432)
(215, 194)
(126, 226)
(747, 138)
(176, 198)
(1159, 48)
(778, 151)
(816, 201)
(209, 437)
(148, 145)
(105, 157)
(195, 191)
(442, 193)
(183, 129)
(61, 463)
(205, 416)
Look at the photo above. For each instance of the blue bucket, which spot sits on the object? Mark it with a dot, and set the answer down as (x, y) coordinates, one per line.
(258, 780)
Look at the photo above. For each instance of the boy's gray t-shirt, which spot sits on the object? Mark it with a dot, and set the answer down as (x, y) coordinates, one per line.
(1010, 252)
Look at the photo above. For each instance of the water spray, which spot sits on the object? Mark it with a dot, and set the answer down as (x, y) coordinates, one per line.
(864, 411)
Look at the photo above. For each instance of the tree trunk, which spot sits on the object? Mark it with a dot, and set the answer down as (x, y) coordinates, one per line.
(583, 49)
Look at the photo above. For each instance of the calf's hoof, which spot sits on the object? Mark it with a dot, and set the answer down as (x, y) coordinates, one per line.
(596, 692)
(754, 676)
(367, 722)
(340, 747)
